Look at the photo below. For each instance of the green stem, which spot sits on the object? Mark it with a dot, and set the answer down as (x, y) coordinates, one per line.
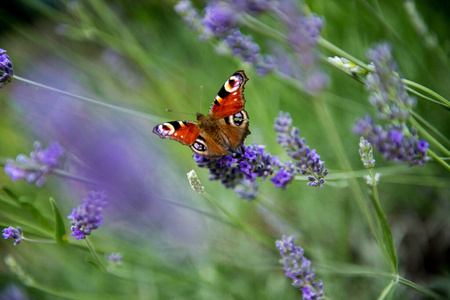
(65, 174)
(88, 100)
(261, 27)
(434, 101)
(418, 288)
(330, 127)
(431, 128)
(339, 52)
(39, 241)
(94, 254)
(388, 290)
(262, 238)
(438, 159)
(428, 91)
(428, 136)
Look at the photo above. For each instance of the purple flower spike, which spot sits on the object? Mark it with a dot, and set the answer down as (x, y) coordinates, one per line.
(308, 161)
(37, 167)
(240, 171)
(6, 69)
(243, 46)
(88, 215)
(284, 176)
(392, 142)
(13, 233)
(297, 267)
(191, 18)
(221, 22)
(303, 36)
(388, 94)
(219, 18)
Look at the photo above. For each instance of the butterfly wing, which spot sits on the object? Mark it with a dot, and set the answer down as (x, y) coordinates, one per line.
(230, 98)
(222, 131)
(189, 133)
(228, 109)
(184, 132)
(234, 129)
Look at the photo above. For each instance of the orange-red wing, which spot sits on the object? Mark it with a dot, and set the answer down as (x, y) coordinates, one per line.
(230, 99)
(182, 131)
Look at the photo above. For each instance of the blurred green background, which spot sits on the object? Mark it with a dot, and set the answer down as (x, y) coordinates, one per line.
(175, 245)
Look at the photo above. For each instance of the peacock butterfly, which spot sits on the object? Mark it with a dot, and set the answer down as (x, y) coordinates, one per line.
(219, 133)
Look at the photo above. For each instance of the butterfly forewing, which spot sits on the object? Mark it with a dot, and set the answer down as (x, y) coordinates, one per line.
(230, 98)
(184, 132)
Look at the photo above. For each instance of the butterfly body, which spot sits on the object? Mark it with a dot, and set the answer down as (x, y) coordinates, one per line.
(219, 133)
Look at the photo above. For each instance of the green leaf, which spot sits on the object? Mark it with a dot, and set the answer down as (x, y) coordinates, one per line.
(60, 230)
(386, 234)
(10, 193)
(36, 215)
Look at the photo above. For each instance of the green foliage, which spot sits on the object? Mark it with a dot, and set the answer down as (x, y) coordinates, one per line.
(139, 59)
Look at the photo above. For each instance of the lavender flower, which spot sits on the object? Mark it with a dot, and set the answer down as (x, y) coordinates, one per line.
(247, 189)
(244, 47)
(87, 216)
(297, 267)
(366, 153)
(347, 64)
(6, 69)
(250, 163)
(220, 21)
(114, 258)
(35, 168)
(388, 92)
(253, 6)
(308, 161)
(195, 184)
(395, 142)
(191, 18)
(285, 175)
(303, 36)
(219, 18)
(13, 233)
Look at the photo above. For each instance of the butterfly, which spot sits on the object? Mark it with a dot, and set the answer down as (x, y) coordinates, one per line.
(219, 133)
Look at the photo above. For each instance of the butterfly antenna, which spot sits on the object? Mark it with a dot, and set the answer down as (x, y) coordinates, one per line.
(179, 112)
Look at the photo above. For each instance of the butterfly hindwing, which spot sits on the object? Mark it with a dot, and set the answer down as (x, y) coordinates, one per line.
(235, 129)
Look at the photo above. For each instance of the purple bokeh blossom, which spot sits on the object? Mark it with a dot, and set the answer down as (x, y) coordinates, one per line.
(297, 268)
(114, 258)
(303, 34)
(219, 18)
(38, 166)
(221, 21)
(88, 215)
(6, 68)
(13, 233)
